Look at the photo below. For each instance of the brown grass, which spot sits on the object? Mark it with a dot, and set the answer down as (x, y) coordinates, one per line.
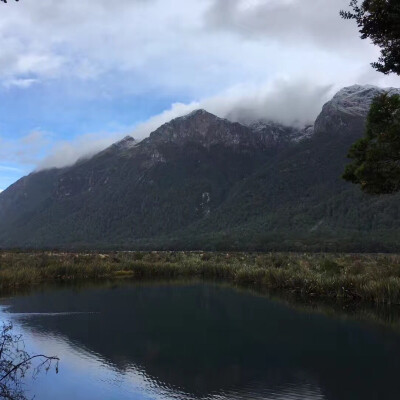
(364, 278)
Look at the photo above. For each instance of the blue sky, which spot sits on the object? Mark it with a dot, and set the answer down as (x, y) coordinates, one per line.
(77, 75)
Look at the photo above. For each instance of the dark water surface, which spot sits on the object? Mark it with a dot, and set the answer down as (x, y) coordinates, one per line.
(200, 341)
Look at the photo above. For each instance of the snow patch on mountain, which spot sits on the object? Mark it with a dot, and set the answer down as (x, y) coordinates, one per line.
(277, 133)
(126, 143)
(356, 100)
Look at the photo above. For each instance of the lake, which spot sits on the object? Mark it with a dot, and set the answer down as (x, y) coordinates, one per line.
(199, 341)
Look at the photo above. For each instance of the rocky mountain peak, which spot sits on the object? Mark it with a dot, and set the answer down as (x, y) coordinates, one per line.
(127, 141)
(197, 117)
(123, 145)
(275, 133)
(355, 100)
(347, 110)
(207, 129)
(201, 127)
(199, 113)
(201, 177)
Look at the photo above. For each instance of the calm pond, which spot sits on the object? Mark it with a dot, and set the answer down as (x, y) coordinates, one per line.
(199, 341)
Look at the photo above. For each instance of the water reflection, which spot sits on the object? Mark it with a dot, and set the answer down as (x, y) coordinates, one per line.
(201, 341)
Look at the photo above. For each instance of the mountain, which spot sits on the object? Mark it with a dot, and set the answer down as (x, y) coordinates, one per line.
(348, 109)
(200, 181)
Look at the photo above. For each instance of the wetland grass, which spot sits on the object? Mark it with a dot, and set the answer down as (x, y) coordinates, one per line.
(352, 277)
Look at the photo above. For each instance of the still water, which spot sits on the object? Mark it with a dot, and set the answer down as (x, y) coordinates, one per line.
(199, 341)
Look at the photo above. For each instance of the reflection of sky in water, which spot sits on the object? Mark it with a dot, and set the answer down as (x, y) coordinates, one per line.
(133, 343)
(85, 375)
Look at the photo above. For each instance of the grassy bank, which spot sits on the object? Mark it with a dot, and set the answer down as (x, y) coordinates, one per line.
(364, 278)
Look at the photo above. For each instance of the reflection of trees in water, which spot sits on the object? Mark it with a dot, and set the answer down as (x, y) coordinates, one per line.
(206, 339)
(16, 362)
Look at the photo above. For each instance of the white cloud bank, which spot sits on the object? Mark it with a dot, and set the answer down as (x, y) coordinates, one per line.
(240, 59)
(26, 150)
(40, 150)
(176, 46)
(66, 153)
(289, 103)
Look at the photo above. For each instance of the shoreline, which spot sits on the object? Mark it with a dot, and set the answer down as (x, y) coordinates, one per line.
(355, 278)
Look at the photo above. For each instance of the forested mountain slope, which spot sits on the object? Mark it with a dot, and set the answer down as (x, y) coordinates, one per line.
(200, 181)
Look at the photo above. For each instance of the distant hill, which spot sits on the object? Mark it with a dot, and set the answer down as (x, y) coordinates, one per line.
(202, 182)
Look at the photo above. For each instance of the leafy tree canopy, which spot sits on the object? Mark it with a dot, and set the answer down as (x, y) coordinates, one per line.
(379, 21)
(376, 157)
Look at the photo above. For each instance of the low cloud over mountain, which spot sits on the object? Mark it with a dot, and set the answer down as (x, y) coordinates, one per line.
(203, 182)
(292, 104)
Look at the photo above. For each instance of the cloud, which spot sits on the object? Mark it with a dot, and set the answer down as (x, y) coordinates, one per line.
(239, 59)
(26, 150)
(290, 22)
(173, 46)
(7, 168)
(20, 83)
(66, 153)
(291, 103)
(71, 39)
(40, 150)
(294, 103)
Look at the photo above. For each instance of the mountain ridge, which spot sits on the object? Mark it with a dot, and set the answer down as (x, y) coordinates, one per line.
(200, 181)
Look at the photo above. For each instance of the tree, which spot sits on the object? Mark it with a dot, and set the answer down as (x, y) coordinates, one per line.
(15, 362)
(376, 157)
(379, 20)
(376, 165)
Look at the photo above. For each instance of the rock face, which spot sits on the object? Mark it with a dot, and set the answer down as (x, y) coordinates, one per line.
(200, 181)
(132, 190)
(348, 109)
(274, 134)
(127, 143)
(206, 129)
(202, 128)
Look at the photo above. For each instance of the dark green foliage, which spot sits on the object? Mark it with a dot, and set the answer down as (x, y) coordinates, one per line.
(286, 199)
(376, 157)
(379, 21)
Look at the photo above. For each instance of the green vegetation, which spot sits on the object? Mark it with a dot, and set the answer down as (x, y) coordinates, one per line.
(291, 199)
(360, 278)
(376, 157)
(378, 20)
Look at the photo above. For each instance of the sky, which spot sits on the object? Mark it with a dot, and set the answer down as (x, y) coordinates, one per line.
(78, 75)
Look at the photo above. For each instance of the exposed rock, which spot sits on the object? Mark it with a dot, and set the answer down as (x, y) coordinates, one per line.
(203, 175)
(206, 129)
(348, 109)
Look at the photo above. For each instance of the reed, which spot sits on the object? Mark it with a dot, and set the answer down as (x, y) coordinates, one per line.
(355, 277)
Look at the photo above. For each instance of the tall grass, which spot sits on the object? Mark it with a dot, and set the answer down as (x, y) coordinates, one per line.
(365, 278)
